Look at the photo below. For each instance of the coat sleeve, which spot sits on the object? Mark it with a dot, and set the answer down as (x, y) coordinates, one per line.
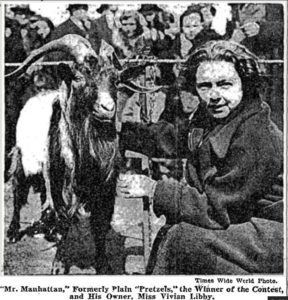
(229, 189)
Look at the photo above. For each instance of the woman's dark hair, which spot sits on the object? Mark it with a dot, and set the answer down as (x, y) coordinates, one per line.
(126, 15)
(245, 63)
(189, 12)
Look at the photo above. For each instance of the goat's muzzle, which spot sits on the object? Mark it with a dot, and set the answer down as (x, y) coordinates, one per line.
(105, 108)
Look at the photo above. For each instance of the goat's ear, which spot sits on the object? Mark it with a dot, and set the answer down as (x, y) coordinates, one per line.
(65, 92)
(65, 76)
(108, 56)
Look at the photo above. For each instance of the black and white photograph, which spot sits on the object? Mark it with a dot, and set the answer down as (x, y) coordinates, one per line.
(144, 138)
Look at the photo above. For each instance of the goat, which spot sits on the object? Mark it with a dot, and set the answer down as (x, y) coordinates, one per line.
(78, 158)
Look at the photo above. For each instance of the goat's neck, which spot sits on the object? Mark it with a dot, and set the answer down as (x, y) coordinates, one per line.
(98, 144)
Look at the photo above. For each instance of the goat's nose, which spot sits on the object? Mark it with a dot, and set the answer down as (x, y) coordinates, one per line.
(109, 106)
(106, 102)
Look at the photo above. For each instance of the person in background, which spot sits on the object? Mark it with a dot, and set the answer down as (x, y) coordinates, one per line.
(14, 53)
(194, 32)
(208, 11)
(14, 48)
(226, 216)
(103, 27)
(247, 18)
(169, 23)
(152, 25)
(41, 29)
(40, 77)
(78, 23)
(260, 28)
(128, 39)
(22, 14)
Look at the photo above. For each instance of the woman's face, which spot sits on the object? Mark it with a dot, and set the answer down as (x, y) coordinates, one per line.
(43, 28)
(207, 15)
(22, 19)
(192, 26)
(129, 27)
(218, 85)
(80, 14)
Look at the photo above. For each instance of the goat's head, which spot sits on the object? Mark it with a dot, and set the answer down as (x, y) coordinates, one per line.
(92, 81)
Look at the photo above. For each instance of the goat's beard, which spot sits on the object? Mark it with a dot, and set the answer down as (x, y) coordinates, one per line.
(98, 148)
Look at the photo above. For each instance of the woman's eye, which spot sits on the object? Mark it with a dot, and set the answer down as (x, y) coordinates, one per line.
(225, 85)
(203, 87)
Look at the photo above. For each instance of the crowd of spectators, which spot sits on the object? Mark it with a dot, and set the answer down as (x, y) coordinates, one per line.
(164, 33)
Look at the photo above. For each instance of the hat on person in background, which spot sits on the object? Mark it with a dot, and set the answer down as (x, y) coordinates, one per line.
(35, 18)
(149, 8)
(102, 8)
(72, 7)
(22, 10)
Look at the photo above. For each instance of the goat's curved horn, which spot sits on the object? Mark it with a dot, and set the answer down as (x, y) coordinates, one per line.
(74, 44)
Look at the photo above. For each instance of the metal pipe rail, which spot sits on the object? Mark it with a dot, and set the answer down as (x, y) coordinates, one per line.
(139, 60)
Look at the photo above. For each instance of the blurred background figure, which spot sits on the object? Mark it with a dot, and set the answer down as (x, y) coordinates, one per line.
(14, 48)
(194, 31)
(78, 22)
(104, 26)
(208, 11)
(22, 14)
(260, 28)
(40, 31)
(152, 25)
(14, 52)
(169, 23)
(40, 78)
(128, 39)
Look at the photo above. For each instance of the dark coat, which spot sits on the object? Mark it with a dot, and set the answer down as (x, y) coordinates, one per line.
(14, 48)
(100, 31)
(67, 27)
(228, 216)
(230, 169)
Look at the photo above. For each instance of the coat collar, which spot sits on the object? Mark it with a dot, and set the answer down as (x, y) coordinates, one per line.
(220, 137)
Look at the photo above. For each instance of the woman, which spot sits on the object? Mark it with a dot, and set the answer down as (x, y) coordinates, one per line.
(226, 217)
(128, 39)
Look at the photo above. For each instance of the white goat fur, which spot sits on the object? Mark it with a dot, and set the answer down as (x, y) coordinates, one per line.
(32, 131)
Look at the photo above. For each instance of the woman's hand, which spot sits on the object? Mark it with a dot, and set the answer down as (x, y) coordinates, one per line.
(135, 186)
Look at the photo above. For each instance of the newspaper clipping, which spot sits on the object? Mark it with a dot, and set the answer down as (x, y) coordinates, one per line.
(143, 138)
